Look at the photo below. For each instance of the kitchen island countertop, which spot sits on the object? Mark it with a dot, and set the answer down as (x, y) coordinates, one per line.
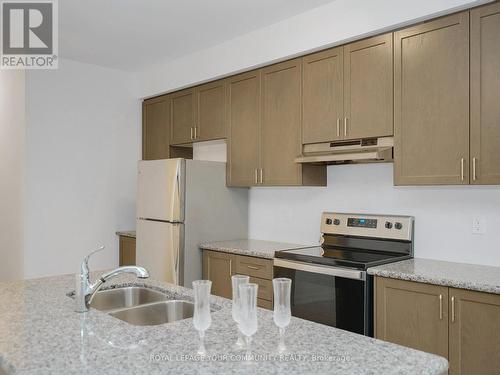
(41, 334)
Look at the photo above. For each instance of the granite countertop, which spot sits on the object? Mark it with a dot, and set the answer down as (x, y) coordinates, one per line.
(250, 247)
(41, 334)
(126, 233)
(457, 275)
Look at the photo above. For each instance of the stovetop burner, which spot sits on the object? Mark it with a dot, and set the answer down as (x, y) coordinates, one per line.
(340, 257)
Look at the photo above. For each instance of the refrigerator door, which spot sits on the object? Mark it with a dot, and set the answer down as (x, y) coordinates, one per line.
(159, 249)
(160, 190)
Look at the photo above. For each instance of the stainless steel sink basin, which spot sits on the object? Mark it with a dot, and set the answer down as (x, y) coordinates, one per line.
(156, 313)
(119, 298)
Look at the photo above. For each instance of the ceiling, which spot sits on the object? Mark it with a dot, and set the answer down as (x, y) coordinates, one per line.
(131, 34)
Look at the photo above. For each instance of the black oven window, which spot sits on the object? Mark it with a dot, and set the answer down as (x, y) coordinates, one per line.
(334, 301)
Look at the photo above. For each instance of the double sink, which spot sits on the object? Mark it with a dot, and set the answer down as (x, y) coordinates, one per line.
(141, 306)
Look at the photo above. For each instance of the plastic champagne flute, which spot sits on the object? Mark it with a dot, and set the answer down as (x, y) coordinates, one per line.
(236, 281)
(282, 312)
(201, 317)
(248, 314)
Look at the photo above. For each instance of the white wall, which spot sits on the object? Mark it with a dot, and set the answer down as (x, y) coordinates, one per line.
(332, 24)
(443, 215)
(82, 143)
(12, 138)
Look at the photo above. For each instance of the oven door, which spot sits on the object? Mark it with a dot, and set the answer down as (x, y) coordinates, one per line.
(338, 297)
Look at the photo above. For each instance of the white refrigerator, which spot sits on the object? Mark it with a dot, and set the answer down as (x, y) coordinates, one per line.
(180, 204)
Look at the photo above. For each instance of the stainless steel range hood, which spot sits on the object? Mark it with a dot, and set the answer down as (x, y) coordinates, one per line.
(346, 152)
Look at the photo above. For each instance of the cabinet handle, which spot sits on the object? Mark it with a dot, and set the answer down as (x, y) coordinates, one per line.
(462, 162)
(253, 268)
(261, 177)
(191, 132)
(256, 176)
(440, 307)
(473, 169)
(452, 309)
(345, 126)
(338, 127)
(195, 132)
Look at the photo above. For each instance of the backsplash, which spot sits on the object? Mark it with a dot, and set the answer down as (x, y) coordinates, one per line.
(443, 215)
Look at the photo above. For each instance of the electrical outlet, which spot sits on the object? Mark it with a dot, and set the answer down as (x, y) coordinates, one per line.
(478, 226)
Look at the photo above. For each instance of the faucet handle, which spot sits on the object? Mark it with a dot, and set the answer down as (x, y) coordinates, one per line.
(85, 263)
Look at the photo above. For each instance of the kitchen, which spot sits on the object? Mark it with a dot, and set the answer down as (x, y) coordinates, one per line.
(271, 122)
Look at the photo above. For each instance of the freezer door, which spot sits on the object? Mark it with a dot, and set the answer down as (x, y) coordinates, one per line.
(159, 249)
(160, 190)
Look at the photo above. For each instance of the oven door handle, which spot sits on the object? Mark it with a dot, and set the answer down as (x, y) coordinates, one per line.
(325, 270)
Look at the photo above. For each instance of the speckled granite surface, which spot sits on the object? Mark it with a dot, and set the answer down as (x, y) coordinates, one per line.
(126, 233)
(250, 247)
(457, 275)
(40, 334)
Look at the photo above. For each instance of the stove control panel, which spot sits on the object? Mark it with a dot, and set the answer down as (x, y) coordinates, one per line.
(379, 226)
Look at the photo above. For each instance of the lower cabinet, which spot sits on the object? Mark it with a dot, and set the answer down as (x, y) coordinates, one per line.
(127, 251)
(219, 267)
(474, 333)
(461, 325)
(412, 314)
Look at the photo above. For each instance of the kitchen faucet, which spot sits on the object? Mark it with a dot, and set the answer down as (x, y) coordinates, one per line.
(85, 290)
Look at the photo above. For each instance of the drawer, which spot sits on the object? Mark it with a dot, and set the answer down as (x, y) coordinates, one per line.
(256, 267)
(265, 288)
(264, 304)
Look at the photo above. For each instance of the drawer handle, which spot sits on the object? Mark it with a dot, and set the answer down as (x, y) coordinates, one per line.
(452, 309)
(440, 307)
(253, 268)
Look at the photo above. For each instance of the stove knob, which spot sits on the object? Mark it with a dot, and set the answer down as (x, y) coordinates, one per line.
(388, 225)
(398, 226)
(336, 221)
(328, 221)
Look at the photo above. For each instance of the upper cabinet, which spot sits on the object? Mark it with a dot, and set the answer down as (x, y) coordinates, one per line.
(280, 142)
(156, 128)
(368, 88)
(485, 89)
(322, 100)
(183, 116)
(348, 91)
(198, 114)
(263, 115)
(210, 115)
(243, 126)
(431, 114)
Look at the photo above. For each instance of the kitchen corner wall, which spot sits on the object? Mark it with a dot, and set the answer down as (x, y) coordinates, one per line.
(12, 141)
(443, 215)
(83, 138)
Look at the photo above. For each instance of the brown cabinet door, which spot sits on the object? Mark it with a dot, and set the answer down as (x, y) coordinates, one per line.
(322, 82)
(218, 267)
(368, 88)
(183, 111)
(474, 333)
(127, 251)
(243, 97)
(412, 314)
(281, 119)
(485, 89)
(431, 102)
(210, 120)
(156, 128)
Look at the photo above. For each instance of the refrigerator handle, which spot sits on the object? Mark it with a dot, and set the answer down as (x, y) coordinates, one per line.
(177, 197)
(176, 248)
